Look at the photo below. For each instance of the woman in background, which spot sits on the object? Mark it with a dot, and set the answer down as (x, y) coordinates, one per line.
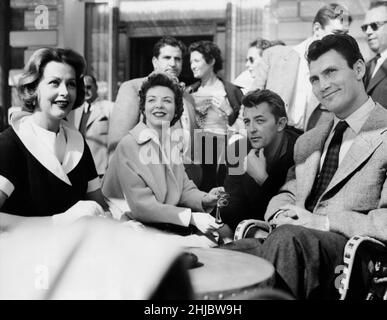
(217, 104)
(46, 168)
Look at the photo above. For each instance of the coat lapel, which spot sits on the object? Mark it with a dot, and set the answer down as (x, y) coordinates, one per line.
(161, 179)
(310, 166)
(368, 139)
(94, 114)
(379, 76)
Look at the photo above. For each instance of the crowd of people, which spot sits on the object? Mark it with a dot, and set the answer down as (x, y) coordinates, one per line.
(309, 155)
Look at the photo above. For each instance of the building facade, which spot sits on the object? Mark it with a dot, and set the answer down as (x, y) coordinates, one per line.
(116, 36)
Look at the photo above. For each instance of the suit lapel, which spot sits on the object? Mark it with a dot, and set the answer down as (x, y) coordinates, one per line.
(94, 114)
(368, 139)
(379, 76)
(311, 165)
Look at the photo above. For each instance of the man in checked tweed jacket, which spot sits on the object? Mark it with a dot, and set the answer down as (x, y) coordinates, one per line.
(312, 226)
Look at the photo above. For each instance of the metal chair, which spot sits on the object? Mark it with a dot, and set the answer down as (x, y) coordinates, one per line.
(367, 249)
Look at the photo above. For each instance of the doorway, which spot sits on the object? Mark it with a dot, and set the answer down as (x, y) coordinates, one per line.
(141, 52)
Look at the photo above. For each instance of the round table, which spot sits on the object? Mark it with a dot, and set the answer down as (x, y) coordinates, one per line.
(224, 273)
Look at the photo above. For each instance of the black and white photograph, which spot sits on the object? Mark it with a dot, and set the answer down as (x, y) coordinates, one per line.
(194, 155)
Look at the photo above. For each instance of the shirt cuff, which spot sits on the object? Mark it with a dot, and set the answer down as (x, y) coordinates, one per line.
(93, 185)
(185, 217)
(6, 186)
(277, 213)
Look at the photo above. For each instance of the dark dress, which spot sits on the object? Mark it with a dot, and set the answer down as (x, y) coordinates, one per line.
(38, 192)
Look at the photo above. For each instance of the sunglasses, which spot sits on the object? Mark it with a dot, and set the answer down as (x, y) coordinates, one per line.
(374, 25)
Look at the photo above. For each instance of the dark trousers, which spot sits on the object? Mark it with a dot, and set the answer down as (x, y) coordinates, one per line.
(213, 170)
(308, 262)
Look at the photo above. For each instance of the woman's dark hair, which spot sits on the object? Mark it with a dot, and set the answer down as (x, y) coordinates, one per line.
(163, 80)
(342, 43)
(33, 72)
(210, 52)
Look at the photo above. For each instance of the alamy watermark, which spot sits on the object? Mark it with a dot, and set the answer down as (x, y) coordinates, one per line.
(41, 17)
(179, 147)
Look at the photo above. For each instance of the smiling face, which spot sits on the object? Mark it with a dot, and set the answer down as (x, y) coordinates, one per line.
(170, 60)
(253, 60)
(159, 106)
(377, 40)
(56, 92)
(337, 86)
(261, 125)
(200, 68)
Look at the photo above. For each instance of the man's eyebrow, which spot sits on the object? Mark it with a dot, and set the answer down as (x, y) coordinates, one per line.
(259, 116)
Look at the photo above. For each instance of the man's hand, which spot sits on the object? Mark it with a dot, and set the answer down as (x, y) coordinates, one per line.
(301, 217)
(256, 166)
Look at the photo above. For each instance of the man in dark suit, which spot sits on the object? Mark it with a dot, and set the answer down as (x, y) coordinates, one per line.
(337, 187)
(270, 144)
(374, 26)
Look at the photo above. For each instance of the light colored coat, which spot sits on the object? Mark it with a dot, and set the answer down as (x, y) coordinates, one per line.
(279, 73)
(156, 192)
(126, 113)
(355, 201)
(97, 129)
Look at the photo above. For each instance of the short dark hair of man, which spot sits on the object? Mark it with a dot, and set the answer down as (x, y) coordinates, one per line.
(275, 102)
(163, 80)
(260, 43)
(377, 4)
(169, 41)
(342, 43)
(210, 51)
(332, 11)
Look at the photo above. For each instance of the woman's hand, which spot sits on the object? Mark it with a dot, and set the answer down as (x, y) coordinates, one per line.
(211, 198)
(204, 222)
(77, 211)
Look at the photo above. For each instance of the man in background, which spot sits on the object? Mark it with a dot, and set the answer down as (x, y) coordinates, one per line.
(375, 28)
(287, 70)
(92, 120)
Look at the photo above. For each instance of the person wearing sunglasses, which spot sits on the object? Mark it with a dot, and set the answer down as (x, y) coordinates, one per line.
(374, 27)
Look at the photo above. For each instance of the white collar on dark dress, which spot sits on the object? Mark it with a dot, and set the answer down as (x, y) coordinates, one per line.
(23, 125)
